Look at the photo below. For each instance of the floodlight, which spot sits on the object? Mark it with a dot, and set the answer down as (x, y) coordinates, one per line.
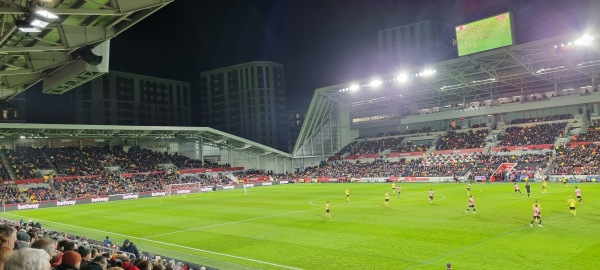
(402, 77)
(375, 83)
(44, 13)
(25, 27)
(38, 23)
(354, 87)
(585, 40)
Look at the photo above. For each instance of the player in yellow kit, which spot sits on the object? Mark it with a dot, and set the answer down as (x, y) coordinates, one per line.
(544, 185)
(327, 210)
(347, 195)
(469, 189)
(387, 199)
(571, 203)
(393, 188)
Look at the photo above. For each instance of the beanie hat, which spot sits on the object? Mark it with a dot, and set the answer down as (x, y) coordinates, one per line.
(71, 258)
(83, 251)
(23, 236)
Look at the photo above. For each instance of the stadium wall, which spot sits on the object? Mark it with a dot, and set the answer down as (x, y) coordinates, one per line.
(346, 133)
(120, 197)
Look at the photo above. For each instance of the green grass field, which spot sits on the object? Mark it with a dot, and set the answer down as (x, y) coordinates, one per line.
(485, 35)
(283, 227)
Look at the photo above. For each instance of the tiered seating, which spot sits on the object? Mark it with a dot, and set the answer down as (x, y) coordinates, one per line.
(532, 135)
(374, 146)
(439, 165)
(582, 159)
(4, 175)
(86, 187)
(251, 174)
(207, 180)
(592, 135)
(115, 258)
(409, 147)
(138, 160)
(10, 194)
(542, 119)
(25, 160)
(39, 193)
(151, 181)
(465, 140)
(79, 162)
(183, 162)
(528, 164)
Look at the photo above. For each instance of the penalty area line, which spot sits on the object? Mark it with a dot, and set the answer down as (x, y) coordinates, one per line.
(168, 244)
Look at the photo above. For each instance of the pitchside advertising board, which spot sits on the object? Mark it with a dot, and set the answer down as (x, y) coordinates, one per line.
(486, 34)
(133, 196)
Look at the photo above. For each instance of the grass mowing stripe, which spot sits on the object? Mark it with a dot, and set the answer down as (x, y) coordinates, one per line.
(167, 244)
(410, 234)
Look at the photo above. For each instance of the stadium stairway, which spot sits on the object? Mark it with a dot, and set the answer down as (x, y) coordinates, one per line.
(504, 166)
(232, 177)
(10, 169)
(53, 188)
(45, 155)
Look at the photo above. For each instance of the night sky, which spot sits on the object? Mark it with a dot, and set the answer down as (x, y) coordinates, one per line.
(320, 42)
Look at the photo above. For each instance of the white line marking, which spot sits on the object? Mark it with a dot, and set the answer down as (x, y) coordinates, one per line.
(169, 244)
(226, 223)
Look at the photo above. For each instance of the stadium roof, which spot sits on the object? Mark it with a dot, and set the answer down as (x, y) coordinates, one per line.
(29, 57)
(543, 65)
(216, 137)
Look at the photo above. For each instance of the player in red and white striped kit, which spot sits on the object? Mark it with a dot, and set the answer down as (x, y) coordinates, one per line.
(471, 205)
(537, 216)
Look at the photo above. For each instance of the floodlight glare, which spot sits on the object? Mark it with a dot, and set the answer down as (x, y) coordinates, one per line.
(25, 27)
(585, 40)
(375, 83)
(44, 13)
(402, 77)
(39, 23)
(354, 87)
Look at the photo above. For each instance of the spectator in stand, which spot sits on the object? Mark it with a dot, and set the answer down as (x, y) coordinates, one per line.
(532, 135)
(71, 260)
(130, 247)
(8, 236)
(98, 263)
(86, 255)
(27, 259)
(465, 140)
(542, 119)
(107, 242)
(47, 245)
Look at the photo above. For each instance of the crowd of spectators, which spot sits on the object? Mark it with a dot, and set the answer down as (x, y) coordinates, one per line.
(89, 187)
(532, 135)
(422, 167)
(39, 193)
(592, 134)
(150, 181)
(542, 119)
(26, 160)
(465, 140)
(74, 161)
(370, 147)
(408, 146)
(4, 175)
(26, 245)
(10, 194)
(183, 162)
(581, 159)
(138, 159)
(219, 179)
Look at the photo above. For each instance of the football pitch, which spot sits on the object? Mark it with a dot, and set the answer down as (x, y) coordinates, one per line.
(283, 227)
